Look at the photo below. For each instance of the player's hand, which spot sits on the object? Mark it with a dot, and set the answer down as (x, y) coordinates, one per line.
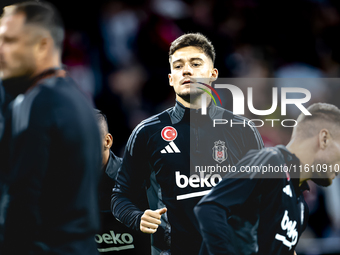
(295, 253)
(151, 220)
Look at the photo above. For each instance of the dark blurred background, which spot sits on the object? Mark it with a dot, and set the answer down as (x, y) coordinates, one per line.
(117, 51)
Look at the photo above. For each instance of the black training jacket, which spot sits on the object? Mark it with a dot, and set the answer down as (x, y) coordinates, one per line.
(51, 202)
(191, 138)
(255, 212)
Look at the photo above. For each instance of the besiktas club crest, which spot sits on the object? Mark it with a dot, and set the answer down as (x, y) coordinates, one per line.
(220, 151)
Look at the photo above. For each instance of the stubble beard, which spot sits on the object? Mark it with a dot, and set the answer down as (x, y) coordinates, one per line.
(190, 95)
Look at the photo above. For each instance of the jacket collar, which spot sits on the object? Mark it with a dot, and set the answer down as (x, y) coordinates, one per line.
(20, 85)
(180, 112)
(112, 165)
(293, 163)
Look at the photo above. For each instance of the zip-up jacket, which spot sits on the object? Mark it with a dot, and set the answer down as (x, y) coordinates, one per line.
(54, 159)
(255, 212)
(173, 145)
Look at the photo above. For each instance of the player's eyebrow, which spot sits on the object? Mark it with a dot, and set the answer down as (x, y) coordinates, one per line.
(191, 59)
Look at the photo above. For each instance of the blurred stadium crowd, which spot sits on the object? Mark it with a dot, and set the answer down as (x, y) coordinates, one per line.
(117, 51)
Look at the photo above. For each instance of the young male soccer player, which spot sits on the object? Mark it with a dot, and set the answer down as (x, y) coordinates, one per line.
(251, 212)
(161, 144)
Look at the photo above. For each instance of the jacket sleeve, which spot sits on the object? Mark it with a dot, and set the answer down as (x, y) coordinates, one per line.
(127, 200)
(213, 212)
(214, 230)
(226, 224)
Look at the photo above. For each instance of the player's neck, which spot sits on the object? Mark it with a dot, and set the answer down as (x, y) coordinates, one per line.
(303, 153)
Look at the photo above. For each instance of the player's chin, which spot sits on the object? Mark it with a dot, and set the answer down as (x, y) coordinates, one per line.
(190, 93)
(3, 74)
(324, 182)
(194, 92)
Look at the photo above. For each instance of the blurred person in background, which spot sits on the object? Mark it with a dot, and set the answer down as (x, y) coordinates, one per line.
(51, 139)
(272, 201)
(114, 237)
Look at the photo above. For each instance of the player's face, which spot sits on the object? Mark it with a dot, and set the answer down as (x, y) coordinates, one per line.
(328, 162)
(17, 47)
(189, 62)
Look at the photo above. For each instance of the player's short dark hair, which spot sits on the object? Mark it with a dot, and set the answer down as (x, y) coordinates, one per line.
(102, 122)
(42, 14)
(196, 40)
(323, 115)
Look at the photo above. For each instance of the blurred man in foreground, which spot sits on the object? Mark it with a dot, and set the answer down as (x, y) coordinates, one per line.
(51, 139)
(114, 237)
(260, 208)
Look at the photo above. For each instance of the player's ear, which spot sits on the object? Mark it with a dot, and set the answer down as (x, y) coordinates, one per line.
(41, 47)
(108, 141)
(324, 138)
(214, 74)
(43, 43)
(170, 80)
(44, 40)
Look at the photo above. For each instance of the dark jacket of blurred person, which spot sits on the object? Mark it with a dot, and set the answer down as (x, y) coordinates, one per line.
(2, 129)
(2, 117)
(49, 201)
(2, 99)
(114, 237)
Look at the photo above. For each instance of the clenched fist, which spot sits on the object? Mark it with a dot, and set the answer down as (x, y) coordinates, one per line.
(151, 220)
